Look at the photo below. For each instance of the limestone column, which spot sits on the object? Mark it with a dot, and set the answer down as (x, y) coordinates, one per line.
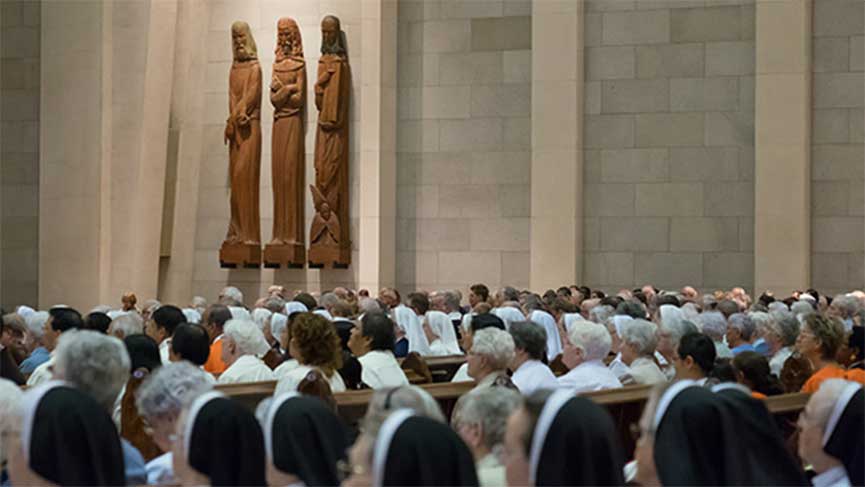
(782, 204)
(556, 246)
(377, 234)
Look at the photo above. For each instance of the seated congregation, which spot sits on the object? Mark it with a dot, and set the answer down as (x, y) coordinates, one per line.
(151, 395)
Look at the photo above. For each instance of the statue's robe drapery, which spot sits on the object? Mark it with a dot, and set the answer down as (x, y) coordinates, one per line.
(244, 90)
(287, 152)
(332, 96)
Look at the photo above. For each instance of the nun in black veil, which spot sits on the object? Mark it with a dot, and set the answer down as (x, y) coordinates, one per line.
(693, 436)
(832, 439)
(410, 450)
(219, 442)
(562, 439)
(305, 441)
(67, 438)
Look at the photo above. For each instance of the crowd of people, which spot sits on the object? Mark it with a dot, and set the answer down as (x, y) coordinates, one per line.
(128, 395)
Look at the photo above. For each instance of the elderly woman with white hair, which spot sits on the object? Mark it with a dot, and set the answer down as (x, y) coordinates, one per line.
(740, 333)
(10, 399)
(638, 341)
(830, 437)
(242, 343)
(39, 354)
(491, 353)
(160, 400)
(781, 336)
(672, 326)
(714, 325)
(588, 344)
(480, 418)
(98, 365)
(125, 325)
(763, 322)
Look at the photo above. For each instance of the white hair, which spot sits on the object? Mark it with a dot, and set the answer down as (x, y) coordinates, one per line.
(593, 339)
(246, 335)
(763, 322)
(328, 300)
(776, 306)
(600, 314)
(743, 324)
(10, 400)
(127, 324)
(640, 333)
(171, 388)
(233, 294)
(199, 303)
(260, 317)
(191, 315)
(713, 324)
(490, 408)
(95, 363)
(35, 321)
(386, 401)
(802, 308)
(847, 304)
(368, 305)
(496, 344)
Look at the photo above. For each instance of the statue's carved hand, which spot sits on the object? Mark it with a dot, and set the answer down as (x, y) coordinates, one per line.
(243, 119)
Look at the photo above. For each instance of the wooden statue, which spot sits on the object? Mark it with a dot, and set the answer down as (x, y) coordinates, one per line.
(329, 243)
(242, 245)
(288, 157)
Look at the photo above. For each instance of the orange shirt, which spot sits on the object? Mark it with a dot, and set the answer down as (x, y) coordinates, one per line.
(856, 375)
(758, 395)
(828, 372)
(214, 363)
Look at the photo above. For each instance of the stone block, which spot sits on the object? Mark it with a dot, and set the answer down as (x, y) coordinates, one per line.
(747, 22)
(856, 270)
(609, 199)
(19, 168)
(21, 265)
(20, 42)
(417, 136)
(704, 234)
(831, 54)
(609, 268)
(592, 166)
(467, 201)
(729, 199)
(501, 34)
(461, 9)
(447, 36)
(856, 204)
(554, 115)
(609, 131)
(746, 234)
(593, 29)
(669, 129)
(418, 201)
(446, 102)
(410, 37)
(857, 126)
(409, 102)
(837, 162)
(830, 198)
(498, 167)
(634, 234)
(517, 8)
(837, 234)
(467, 267)
(634, 165)
(445, 168)
(437, 234)
(729, 128)
(730, 58)
(510, 100)
(591, 234)
(829, 270)
(635, 96)
(838, 18)
(592, 97)
(669, 199)
(671, 270)
(670, 61)
(20, 233)
(517, 133)
(415, 267)
(20, 136)
(515, 269)
(19, 105)
(702, 94)
(857, 53)
(633, 28)
(476, 134)
(830, 126)
(726, 270)
(471, 68)
(20, 74)
(513, 200)
(705, 24)
(511, 234)
(707, 164)
(747, 163)
(839, 90)
(418, 69)
(615, 62)
(517, 66)
(746, 94)
(658, 4)
(609, 5)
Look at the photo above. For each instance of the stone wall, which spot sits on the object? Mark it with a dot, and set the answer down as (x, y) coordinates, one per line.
(669, 143)
(838, 178)
(19, 156)
(463, 143)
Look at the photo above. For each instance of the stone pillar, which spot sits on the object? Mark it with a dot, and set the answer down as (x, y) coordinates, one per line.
(377, 235)
(782, 205)
(557, 142)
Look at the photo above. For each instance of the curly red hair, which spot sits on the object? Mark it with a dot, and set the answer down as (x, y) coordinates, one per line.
(317, 342)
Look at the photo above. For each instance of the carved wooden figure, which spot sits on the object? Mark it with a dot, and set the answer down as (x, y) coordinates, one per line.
(242, 245)
(330, 245)
(288, 96)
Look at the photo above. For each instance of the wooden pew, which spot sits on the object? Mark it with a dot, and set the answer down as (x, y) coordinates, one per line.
(443, 368)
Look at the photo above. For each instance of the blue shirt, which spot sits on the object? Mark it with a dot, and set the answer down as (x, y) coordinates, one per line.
(400, 349)
(133, 464)
(37, 357)
(745, 347)
(761, 347)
